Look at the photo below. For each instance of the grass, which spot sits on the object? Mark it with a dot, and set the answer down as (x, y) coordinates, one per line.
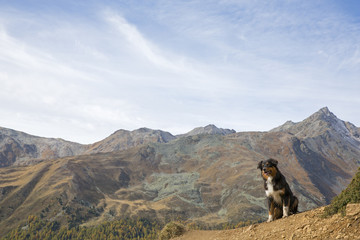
(350, 195)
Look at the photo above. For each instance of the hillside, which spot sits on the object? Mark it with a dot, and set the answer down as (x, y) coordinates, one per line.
(208, 178)
(306, 225)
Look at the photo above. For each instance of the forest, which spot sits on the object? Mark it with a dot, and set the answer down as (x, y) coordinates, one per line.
(121, 229)
(38, 228)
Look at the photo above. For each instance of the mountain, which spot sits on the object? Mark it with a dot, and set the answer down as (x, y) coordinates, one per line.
(320, 122)
(332, 143)
(209, 129)
(123, 139)
(205, 178)
(18, 147)
(21, 148)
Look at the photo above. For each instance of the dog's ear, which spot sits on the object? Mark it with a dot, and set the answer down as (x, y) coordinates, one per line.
(273, 161)
(260, 165)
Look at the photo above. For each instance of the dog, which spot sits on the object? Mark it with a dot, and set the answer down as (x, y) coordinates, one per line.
(281, 201)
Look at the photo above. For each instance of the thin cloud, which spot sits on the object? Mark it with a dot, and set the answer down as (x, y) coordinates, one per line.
(139, 43)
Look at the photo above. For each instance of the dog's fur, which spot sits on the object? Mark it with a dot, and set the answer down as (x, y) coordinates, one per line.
(281, 201)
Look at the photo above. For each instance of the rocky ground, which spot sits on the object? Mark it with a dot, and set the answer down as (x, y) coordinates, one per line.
(306, 225)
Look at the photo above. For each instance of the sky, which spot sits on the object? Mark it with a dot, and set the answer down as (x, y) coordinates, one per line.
(80, 70)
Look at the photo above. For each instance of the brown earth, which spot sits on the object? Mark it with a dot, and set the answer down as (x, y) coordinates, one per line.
(306, 225)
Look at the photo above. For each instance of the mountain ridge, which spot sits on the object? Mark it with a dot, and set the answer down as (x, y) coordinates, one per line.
(18, 147)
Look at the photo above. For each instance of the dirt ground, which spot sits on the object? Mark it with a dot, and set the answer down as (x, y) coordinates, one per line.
(306, 225)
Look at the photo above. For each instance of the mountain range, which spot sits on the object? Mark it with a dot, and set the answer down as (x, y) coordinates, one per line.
(208, 175)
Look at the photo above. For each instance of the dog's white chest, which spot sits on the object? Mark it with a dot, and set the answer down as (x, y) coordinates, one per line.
(270, 187)
(276, 195)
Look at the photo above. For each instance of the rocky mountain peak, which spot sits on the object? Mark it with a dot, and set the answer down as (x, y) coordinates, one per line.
(325, 110)
(321, 122)
(323, 114)
(162, 136)
(123, 139)
(326, 120)
(208, 129)
(142, 132)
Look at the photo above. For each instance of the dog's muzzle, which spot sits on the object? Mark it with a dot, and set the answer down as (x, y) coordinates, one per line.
(267, 171)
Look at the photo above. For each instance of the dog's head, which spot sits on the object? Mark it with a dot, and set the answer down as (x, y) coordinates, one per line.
(268, 168)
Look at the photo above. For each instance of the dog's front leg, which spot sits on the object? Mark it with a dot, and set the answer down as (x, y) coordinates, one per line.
(271, 207)
(286, 204)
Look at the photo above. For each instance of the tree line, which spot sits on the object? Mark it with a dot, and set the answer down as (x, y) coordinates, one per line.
(37, 228)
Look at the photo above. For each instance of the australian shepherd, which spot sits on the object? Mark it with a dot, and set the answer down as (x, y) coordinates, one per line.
(281, 201)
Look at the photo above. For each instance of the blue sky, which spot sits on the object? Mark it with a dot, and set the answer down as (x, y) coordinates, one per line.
(80, 70)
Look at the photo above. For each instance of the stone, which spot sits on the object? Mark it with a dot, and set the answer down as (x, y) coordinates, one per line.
(352, 209)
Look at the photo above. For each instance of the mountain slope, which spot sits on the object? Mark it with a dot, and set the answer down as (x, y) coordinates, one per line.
(306, 225)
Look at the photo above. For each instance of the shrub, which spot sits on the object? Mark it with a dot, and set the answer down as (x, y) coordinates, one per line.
(350, 195)
(172, 229)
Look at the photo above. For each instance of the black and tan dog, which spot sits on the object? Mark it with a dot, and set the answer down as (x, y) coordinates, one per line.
(281, 201)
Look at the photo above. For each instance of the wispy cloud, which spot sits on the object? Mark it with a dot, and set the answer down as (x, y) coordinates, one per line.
(135, 39)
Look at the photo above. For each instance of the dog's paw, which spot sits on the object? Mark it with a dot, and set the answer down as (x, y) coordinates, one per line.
(270, 219)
